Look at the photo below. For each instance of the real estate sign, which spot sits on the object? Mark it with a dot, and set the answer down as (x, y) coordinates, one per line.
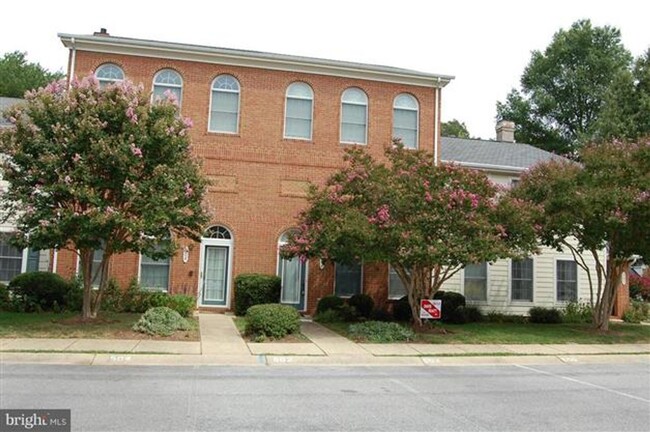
(430, 309)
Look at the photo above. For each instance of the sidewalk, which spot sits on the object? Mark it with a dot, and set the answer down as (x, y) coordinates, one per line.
(221, 344)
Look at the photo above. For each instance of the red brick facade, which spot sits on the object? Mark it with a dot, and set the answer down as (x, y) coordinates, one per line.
(258, 176)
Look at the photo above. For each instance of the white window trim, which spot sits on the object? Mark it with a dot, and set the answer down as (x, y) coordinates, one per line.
(361, 282)
(154, 289)
(417, 118)
(78, 268)
(153, 84)
(563, 303)
(487, 286)
(230, 244)
(212, 90)
(277, 269)
(286, 103)
(108, 81)
(522, 302)
(342, 141)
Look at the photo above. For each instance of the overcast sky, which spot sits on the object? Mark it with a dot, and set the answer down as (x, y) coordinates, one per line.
(484, 44)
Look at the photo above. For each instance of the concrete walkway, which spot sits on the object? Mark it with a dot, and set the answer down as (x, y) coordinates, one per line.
(221, 344)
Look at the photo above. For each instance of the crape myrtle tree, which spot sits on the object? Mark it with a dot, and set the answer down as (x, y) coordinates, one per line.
(100, 168)
(427, 221)
(602, 204)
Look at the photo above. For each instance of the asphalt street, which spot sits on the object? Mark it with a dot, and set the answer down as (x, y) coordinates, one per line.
(592, 397)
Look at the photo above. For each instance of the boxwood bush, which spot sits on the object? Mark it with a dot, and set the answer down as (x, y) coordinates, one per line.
(38, 291)
(402, 310)
(329, 302)
(380, 331)
(542, 315)
(253, 289)
(450, 302)
(136, 299)
(5, 300)
(161, 321)
(363, 304)
(272, 320)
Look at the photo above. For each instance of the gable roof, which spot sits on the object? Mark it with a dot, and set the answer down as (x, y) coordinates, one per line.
(493, 155)
(246, 58)
(5, 103)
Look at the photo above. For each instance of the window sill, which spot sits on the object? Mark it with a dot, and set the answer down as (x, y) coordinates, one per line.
(291, 139)
(223, 134)
(346, 143)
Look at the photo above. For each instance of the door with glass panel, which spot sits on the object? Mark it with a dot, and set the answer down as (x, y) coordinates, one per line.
(215, 276)
(293, 274)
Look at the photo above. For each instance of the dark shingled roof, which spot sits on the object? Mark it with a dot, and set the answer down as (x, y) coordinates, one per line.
(499, 155)
(6, 102)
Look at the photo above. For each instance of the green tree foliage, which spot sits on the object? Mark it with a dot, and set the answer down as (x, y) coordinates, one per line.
(90, 168)
(427, 221)
(563, 88)
(601, 205)
(17, 75)
(626, 113)
(455, 128)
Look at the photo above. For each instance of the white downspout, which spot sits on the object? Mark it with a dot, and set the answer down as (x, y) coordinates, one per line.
(436, 122)
(73, 59)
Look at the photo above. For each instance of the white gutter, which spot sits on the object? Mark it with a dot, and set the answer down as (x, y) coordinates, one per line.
(73, 59)
(225, 56)
(490, 167)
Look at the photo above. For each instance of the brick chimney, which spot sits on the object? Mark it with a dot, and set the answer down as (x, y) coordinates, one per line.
(102, 32)
(506, 131)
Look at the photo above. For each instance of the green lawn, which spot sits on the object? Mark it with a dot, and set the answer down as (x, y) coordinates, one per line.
(509, 333)
(69, 325)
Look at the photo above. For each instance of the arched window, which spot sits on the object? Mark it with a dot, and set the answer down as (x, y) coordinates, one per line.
(405, 120)
(218, 232)
(224, 105)
(354, 116)
(299, 111)
(167, 80)
(109, 73)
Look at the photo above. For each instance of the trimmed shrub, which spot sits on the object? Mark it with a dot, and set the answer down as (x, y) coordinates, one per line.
(500, 318)
(181, 303)
(254, 289)
(637, 312)
(161, 321)
(379, 331)
(75, 296)
(329, 316)
(472, 314)
(329, 302)
(450, 302)
(5, 299)
(380, 315)
(38, 291)
(272, 320)
(542, 315)
(577, 313)
(402, 310)
(363, 304)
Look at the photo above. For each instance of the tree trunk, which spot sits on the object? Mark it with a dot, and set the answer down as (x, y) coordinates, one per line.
(103, 282)
(85, 265)
(605, 303)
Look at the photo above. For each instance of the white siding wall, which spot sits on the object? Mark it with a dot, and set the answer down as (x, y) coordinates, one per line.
(544, 281)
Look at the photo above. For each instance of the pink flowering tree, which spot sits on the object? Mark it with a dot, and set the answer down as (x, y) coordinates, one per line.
(426, 221)
(599, 209)
(90, 168)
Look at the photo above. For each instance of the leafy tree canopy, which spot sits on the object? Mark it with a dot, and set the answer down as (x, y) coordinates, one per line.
(603, 203)
(17, 75)
(455, 128)
(91, 167)
(626, 113)
(427, 221)
(563, 88)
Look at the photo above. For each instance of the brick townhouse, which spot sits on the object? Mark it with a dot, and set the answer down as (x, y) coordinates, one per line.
(265, 127)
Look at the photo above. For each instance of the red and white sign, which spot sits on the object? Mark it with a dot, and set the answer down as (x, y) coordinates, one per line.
(430, 309)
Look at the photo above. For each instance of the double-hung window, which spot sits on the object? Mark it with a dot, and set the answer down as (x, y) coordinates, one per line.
(224, 105)
(299, 111)
(354, 116)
